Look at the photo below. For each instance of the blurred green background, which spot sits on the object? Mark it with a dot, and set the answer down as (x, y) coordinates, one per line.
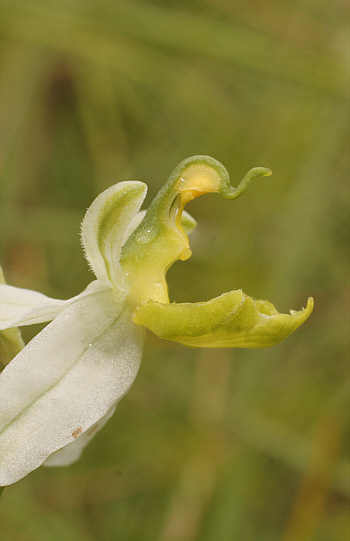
(209, 445)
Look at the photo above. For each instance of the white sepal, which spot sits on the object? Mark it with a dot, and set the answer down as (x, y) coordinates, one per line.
(26, 307)
(65, 380)
(71, 452)
(104, 226)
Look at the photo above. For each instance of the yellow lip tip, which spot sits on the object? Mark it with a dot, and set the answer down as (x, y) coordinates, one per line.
(310, 304)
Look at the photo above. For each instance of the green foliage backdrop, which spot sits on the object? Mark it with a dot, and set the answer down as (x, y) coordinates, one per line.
(208, 445)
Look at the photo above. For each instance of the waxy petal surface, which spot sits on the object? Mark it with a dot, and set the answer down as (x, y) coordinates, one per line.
(72, 452)
(65, 380)
(26, 307)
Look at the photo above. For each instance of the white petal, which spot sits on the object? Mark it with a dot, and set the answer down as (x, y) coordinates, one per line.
(25, 307)
(65, 380)
(71, 452)
(104, 225)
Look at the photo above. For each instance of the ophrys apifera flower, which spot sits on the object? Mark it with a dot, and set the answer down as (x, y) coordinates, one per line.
(65, 383)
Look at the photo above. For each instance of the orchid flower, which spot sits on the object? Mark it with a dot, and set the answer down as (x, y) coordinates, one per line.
(63, 386)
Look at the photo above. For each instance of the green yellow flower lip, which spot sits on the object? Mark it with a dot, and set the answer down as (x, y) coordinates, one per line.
(231, 320)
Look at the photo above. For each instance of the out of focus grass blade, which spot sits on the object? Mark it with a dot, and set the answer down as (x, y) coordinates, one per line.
(37, 224)
(177, 31)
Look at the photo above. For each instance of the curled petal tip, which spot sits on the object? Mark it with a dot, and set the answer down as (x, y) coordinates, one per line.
(265, 172)
(309, 306)
(229, 192)
(304, 311)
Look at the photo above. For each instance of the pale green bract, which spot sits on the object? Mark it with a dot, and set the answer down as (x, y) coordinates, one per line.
(62, 387)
